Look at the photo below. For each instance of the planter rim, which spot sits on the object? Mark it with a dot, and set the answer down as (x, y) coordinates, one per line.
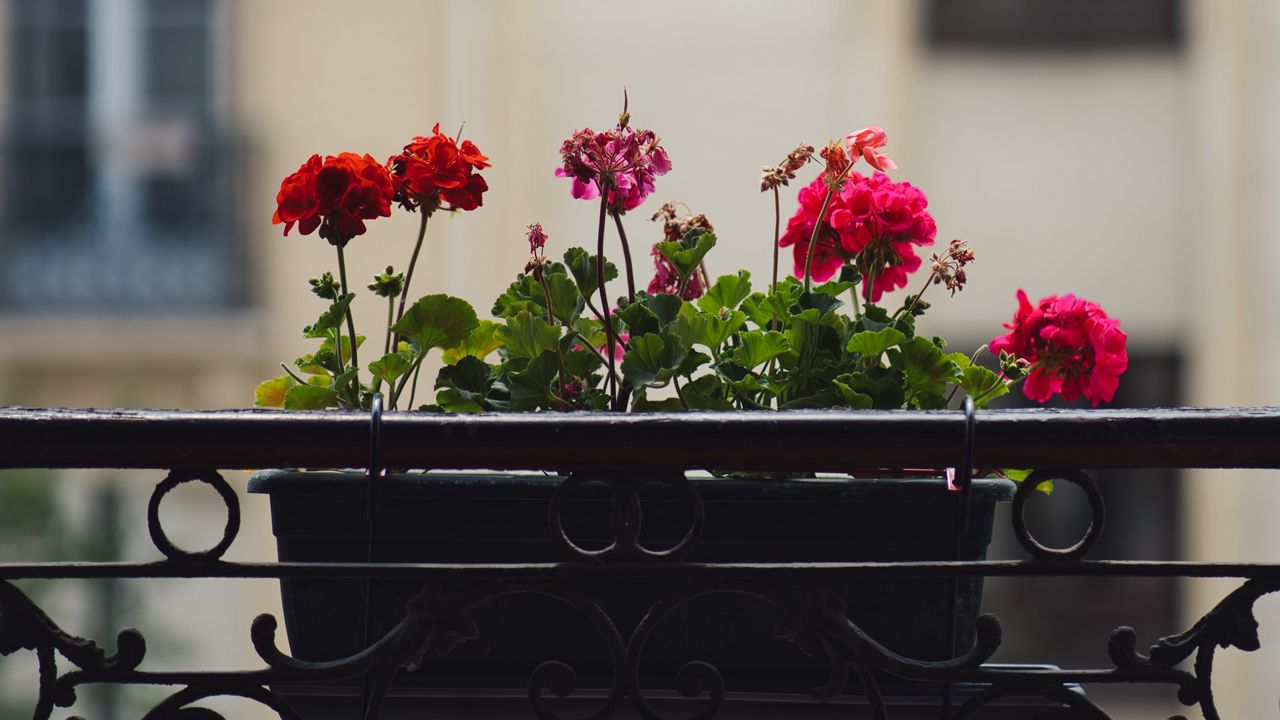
(453, 484)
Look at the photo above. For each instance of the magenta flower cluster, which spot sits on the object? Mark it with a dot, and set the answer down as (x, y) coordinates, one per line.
(871, 221)
(624, 161)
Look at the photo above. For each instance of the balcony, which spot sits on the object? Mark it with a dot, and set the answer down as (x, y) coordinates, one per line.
(611, 517)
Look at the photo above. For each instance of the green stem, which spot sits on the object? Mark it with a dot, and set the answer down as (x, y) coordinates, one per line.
(777, 237)
(679, 393)
(351, 323)
(413, 389)
(813, 239)
(587, 344)
(908, 308)
(395, 396)
(551, 320)
(604, 300)
(626, 257)
(391, 309)
(293, 375)
(857, 307)
(408, 273)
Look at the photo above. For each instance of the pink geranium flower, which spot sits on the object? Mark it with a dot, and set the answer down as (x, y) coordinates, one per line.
(1074, 347)
(623, 160)
(865, 142)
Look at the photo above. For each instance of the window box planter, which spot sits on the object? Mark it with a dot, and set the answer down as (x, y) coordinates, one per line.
(503, 518)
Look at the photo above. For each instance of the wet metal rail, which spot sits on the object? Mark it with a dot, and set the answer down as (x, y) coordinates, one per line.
(194, 446)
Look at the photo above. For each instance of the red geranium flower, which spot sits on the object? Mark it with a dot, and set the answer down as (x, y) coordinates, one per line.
(1074, 347)
(336, 195)
(434, 171)
(872, 222)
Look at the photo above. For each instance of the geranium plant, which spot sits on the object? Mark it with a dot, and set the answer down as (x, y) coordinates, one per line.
(558, 340)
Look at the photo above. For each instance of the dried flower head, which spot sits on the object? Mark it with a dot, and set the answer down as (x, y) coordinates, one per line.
(837, 163)
(948, 268)
(775, 176)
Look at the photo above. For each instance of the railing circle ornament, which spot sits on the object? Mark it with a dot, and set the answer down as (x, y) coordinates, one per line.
(229, 532)
(1025, 490)
(626, 516)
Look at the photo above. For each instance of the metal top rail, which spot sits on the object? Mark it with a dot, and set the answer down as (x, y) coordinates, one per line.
(817, 440)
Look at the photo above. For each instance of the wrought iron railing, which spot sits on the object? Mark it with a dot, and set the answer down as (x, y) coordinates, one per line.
(1064, 445)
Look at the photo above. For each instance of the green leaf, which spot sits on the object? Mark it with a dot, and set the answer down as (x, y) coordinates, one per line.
(776, 306)
(814, 306)
(926, 373)
(584, 267)
(694, 327)
(1018, 476)
(639, 317)
(982, 384)
(528, 336)
(591, 331)
(581, 363)
(882, 385)
(464, 386)
(824, 399)
(687, 253)
(437, 321)
(482, 341)
(652, 358)
(692, 361)
(566, 302)
(391, 366)
(641, 403)
(758, 348)
(852, 398)
(309, 397)
(833, 288)
(270, 393)
(728, 292)
(871, 344)
(331, 319)
(705, 394)
(531, 387)
(665, 307)
(524, 294)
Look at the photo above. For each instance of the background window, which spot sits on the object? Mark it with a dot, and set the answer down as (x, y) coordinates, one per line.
(115, 190)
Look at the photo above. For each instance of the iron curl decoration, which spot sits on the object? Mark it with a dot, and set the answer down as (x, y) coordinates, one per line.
(211, 478)
(176, 706)
(1077, 706)
(1098, 509)
(626, 516)
(24, 626)
(1231, 623)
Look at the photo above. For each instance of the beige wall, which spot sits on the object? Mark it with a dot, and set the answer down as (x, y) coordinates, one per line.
(1143, 181)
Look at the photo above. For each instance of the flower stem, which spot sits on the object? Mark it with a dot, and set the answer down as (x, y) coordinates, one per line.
(408, 273)
(293, 375)
(351, 323)
(915, 300)
(413, 389)
(813, 239)
(777, 237)
(604, 299)
(551, 320)
(626, 257)
(391, 309)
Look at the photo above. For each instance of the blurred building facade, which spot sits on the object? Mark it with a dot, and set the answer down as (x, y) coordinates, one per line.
(1129, 156)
